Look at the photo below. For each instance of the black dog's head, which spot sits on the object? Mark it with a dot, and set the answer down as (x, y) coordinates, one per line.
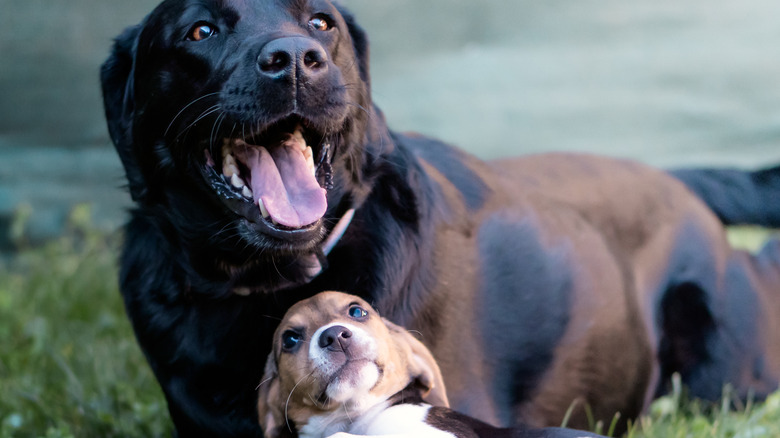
(241, 120)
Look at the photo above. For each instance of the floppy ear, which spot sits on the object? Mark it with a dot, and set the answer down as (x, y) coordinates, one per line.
(422, 366)
(116, 77)
(359, 42)
(269, 403)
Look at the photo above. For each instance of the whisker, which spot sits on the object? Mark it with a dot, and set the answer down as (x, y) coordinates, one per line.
(418, 332)
(276, 318)
(346, 411)
(215, 129)
(207, 113)
(185, 108)
(264, 381)
(287, 404)
(360, 107)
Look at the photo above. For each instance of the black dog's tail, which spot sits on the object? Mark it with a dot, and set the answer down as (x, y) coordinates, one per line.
(738, 197)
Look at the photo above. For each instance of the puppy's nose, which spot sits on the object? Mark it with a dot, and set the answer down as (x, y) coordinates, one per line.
(289, 56)
(336, 338)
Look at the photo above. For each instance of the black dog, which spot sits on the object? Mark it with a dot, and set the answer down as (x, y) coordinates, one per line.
(252, 149)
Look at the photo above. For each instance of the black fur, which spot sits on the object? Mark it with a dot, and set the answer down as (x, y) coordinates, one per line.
(204, 343)
(736, 196)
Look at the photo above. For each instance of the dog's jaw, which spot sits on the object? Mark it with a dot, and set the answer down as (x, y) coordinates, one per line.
(282, 182)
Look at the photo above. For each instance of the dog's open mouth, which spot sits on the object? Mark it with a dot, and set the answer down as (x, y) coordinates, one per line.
(276, 177)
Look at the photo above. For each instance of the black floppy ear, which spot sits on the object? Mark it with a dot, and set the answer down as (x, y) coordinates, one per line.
(360, 43)
(116, 77)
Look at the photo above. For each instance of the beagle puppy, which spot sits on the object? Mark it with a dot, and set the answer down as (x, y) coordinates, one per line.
(338, 369)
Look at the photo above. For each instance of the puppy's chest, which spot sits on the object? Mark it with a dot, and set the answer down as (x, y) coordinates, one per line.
(406, 419)
(403, 419)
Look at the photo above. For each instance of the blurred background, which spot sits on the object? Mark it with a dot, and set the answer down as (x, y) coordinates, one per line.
(666, 82)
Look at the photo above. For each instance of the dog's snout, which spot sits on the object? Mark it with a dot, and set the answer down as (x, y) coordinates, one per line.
(336, 338)
(293, 56)
(274, 63)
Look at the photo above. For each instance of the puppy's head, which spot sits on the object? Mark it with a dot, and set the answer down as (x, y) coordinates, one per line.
(333, 352)
(242, 119)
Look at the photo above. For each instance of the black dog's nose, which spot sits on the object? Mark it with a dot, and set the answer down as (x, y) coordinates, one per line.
(290, 56)
(336, 338)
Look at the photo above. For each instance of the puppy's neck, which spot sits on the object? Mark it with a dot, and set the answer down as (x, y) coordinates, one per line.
(357, 422)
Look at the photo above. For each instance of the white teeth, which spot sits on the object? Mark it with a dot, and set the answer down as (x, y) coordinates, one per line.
(230, 171)
(236, 181)
(229, 166)
(247, 192)
(309, 155)
(298, 137)
(262, 208)
(227, 148)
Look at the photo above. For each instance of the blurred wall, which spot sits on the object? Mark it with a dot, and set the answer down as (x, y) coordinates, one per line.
(662, 81)
(51, 51)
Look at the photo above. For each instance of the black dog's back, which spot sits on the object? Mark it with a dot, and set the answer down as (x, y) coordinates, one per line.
(736, 196)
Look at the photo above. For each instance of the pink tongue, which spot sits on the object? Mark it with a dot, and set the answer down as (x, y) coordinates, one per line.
(284, 182)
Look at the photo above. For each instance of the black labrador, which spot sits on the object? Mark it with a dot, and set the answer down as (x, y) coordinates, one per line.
(263, 174)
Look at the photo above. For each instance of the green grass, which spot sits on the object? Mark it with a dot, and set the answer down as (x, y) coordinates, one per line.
(677, 416)
(69, 365)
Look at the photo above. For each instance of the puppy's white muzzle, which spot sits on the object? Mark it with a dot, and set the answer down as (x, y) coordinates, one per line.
(346, 361)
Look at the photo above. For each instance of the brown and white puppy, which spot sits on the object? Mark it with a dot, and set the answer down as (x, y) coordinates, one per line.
(339, 369)
(334, 361)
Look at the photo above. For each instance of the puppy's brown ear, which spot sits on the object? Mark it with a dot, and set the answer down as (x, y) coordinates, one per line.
(269, 403)
(422, 366)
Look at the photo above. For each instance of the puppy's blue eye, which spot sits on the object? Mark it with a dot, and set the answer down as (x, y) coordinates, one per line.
(290, 340)
(357, 312)
(202, 30)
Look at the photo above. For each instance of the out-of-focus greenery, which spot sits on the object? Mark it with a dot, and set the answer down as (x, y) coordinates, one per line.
(70, 367)
(677, 416)
(750, 238)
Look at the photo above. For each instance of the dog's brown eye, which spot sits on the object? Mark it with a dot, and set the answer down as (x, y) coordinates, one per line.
(290, 340)
(201, 31)
(357, 312)
(319, 23)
